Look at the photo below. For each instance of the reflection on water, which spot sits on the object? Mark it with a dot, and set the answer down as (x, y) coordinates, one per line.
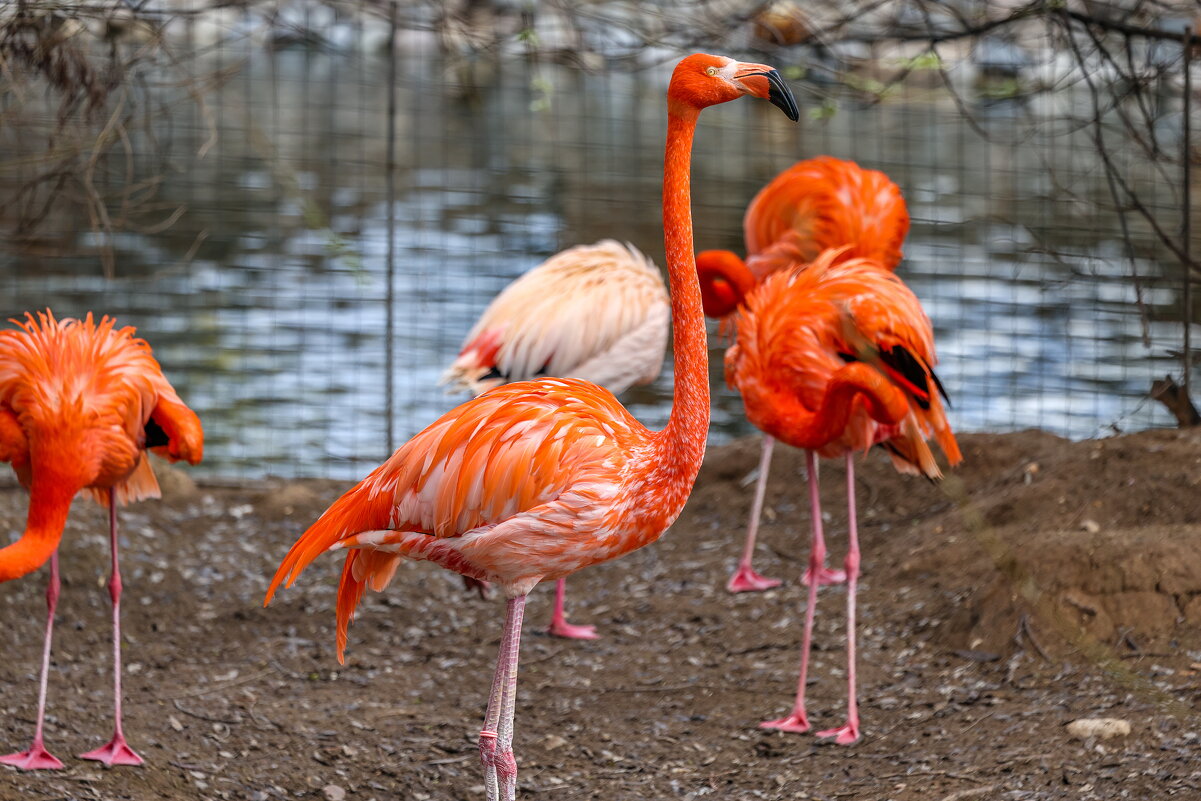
(265, 301)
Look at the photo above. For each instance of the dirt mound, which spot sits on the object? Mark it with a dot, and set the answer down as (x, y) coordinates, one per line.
(1096, 541)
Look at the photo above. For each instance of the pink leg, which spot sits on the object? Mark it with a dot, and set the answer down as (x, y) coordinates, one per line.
(797, 721)
(849, 732)
(745, 579)
(116, 751)
(825, 575)
(559, 627)
(37, 757)
(496, 739)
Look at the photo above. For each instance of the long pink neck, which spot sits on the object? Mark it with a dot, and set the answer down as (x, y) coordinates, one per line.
(783, 416)
(49, 503)
(681, 445)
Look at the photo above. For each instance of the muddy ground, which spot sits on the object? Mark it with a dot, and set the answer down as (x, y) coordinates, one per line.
(1043, 582)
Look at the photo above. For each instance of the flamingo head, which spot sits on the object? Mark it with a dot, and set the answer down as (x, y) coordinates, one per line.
(725, 281)
(702, 80)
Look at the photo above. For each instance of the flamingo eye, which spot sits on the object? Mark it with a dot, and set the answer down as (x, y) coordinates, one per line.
(712, 71)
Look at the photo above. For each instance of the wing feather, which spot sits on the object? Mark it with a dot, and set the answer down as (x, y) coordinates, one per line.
(558, 318)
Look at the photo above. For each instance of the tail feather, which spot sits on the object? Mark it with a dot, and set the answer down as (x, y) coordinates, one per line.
(911, 453)
(371, 561)
(362, 508)
(137, 486)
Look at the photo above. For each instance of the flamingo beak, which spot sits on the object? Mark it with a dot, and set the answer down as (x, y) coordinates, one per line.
(768, 84)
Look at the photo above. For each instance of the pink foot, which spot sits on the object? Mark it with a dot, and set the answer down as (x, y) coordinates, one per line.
(36, 758)
(796, 723)
(825, 576)
(844, 735)
(561, 628)
(116, 752)
(747, 580)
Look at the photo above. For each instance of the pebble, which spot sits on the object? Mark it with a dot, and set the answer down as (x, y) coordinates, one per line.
(333, 792)
(1090, 525)
(1101, 728)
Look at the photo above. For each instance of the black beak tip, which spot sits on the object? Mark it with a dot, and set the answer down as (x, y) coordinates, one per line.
(780, 96)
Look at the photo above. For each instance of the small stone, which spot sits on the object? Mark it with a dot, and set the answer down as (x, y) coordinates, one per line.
(1101, 728)
(333, 792)
(553, 741)
(174, 723)
(1090, 525)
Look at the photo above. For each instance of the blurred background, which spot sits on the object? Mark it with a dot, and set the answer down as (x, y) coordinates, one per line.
(304, 204)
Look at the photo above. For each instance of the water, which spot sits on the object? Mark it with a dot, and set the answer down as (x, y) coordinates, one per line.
(264, 300)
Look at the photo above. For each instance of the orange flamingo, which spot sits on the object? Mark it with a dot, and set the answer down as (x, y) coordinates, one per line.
(814, 205)
(834, 357)
(80, 403)
(597, 312)
(538, 479)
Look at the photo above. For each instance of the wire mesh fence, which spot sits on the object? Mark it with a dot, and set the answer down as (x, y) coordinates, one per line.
(218, 175)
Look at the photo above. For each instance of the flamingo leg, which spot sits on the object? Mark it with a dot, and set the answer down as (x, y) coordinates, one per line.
(496, 739)
(825, 575)
(116, 751)
(745, 579)
(37, 757)
(849, 731)
(797, 721)
(559, 627)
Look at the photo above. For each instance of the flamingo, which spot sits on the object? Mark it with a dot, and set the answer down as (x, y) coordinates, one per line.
(834, 357)
(80, 404)
(537, 479)
(813, 205)
(597, 312)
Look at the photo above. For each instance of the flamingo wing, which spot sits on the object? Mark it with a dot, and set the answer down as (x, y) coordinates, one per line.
(515, 485)
(598, 312)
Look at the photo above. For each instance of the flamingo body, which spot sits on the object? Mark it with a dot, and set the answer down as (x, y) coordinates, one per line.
(530, 481)
(792, 341)
(80, 404)
(598, 312)
(821, 203)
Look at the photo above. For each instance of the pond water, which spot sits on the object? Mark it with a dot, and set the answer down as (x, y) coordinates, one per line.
(265, 300)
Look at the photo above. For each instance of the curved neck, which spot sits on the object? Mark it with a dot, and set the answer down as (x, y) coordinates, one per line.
(681, 444)
(725, 281)
(787, 419)
(49, 503)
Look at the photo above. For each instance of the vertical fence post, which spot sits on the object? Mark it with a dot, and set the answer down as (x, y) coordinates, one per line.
(1185, 233)
(390, 192)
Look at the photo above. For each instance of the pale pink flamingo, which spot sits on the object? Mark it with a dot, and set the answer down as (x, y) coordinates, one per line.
(538, 479)
(597, 312)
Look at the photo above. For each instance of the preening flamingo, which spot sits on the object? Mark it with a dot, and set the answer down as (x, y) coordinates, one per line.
(538, 479)
(80, 403)
(597, 312)
(835, 357)
(814, 205)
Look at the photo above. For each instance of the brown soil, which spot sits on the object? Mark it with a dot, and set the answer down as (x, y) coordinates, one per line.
(1044, 581)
